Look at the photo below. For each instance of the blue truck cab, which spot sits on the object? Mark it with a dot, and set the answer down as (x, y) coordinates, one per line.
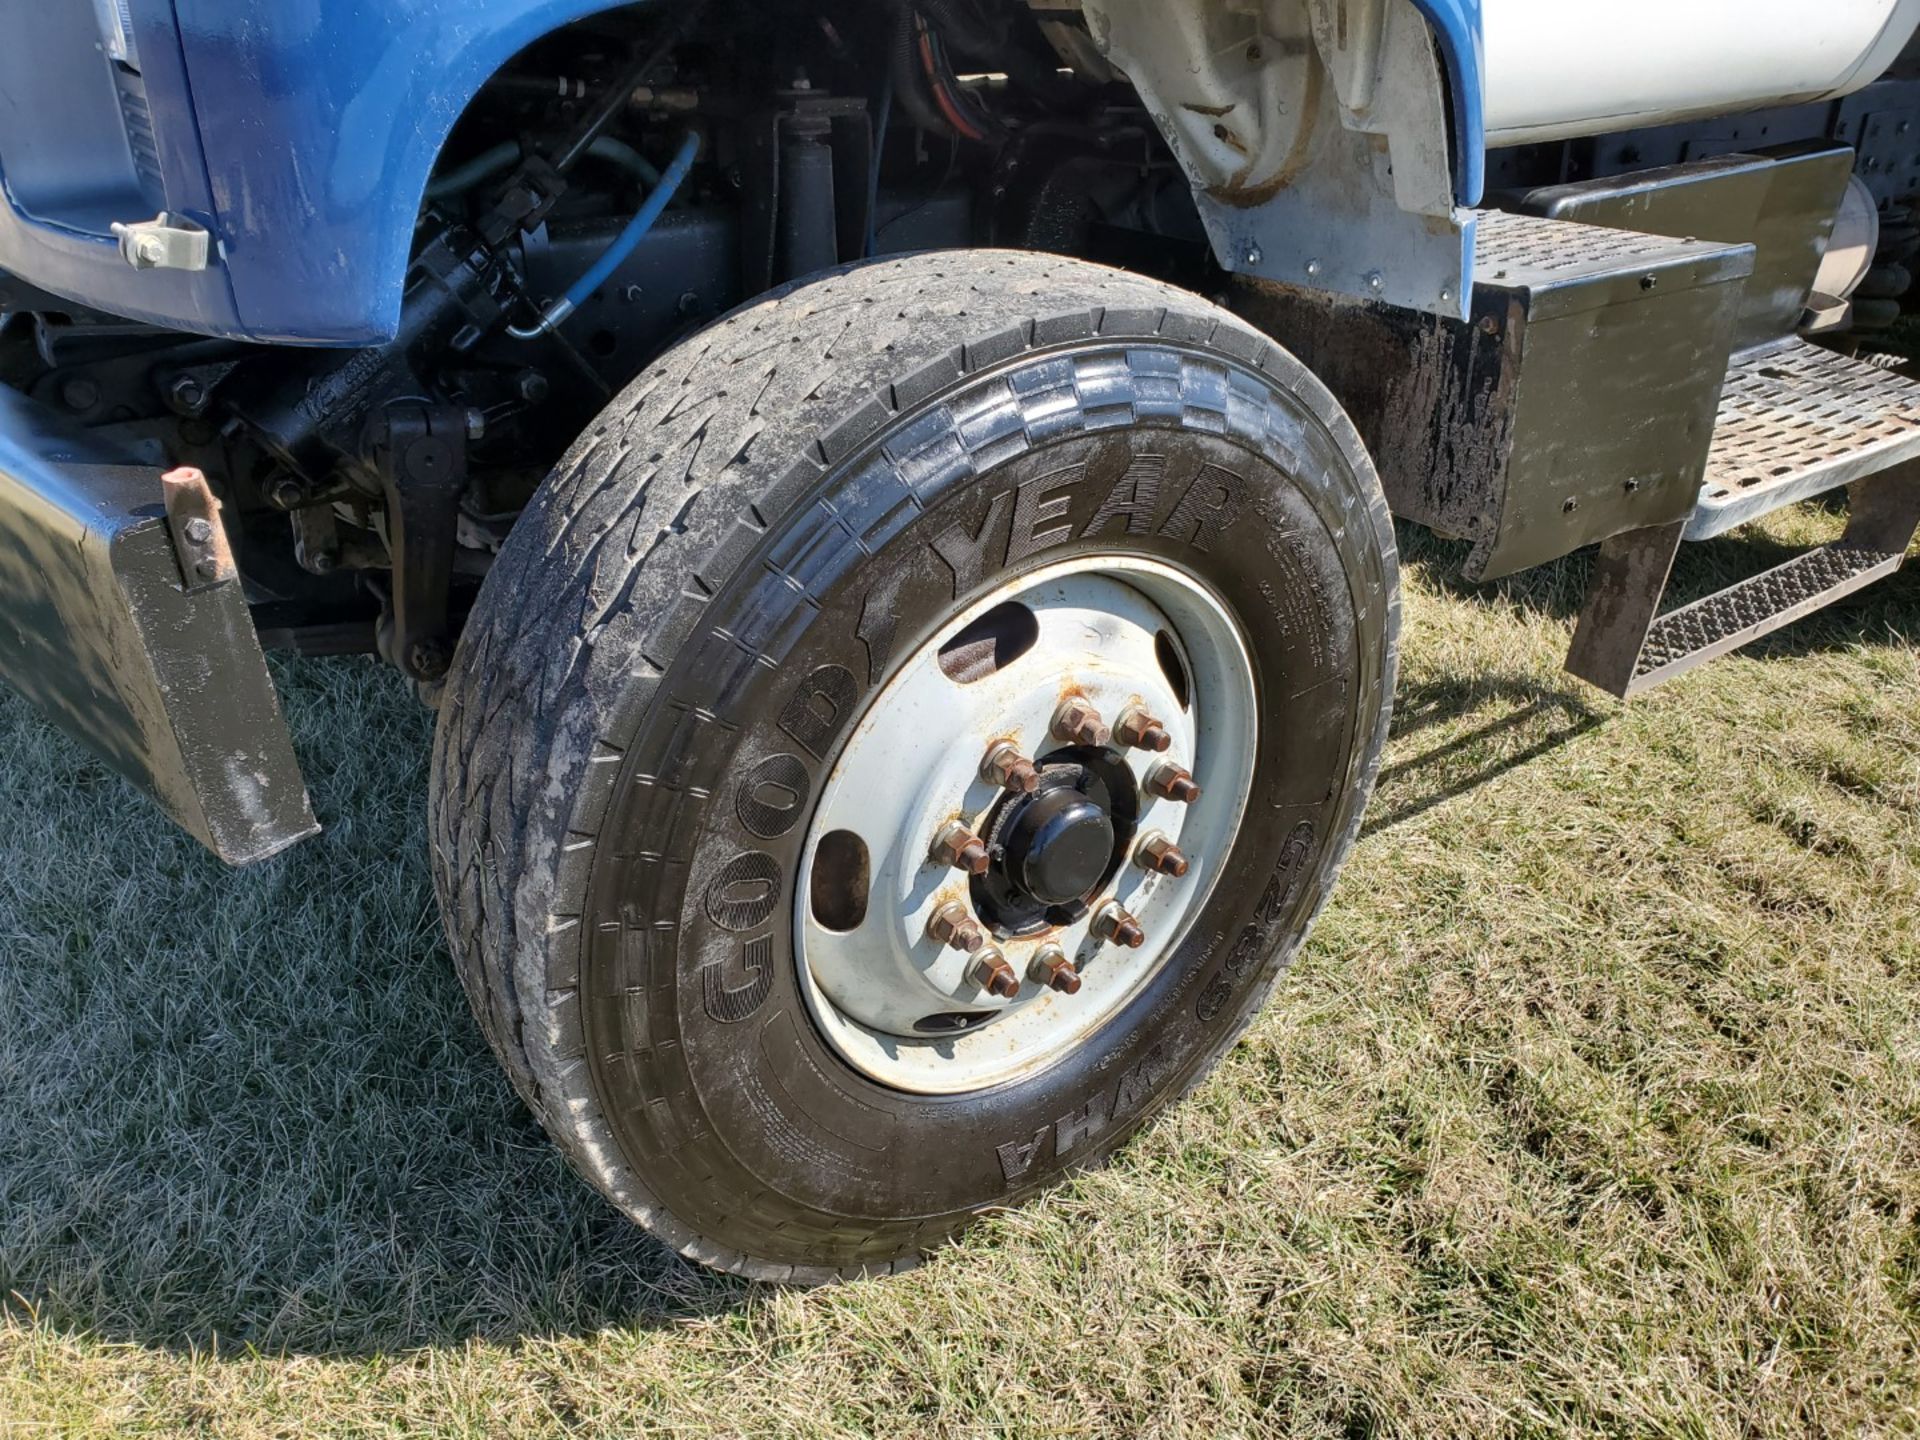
(891, 500)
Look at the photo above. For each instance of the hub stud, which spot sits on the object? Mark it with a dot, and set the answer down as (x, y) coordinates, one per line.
(952, 925)
(1138, 730)
(960, 848)
(1172, 782)
(1051, 967)
(1008, 769)
(1160, 855)
(991, 972)
(1077, 723)
(1112, 924)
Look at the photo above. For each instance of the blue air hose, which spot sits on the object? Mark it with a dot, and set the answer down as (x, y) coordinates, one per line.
(623, 244)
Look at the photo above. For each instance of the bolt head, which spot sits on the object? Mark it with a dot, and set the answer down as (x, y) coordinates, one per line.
(199, 530)
(1077, 723)
(1052, 968)
(960, 848)
(954, 926)
(1138, 730)
(991, 972)
(1113, 925)
(287, 493)
(1008, 769)
(187, 395)
(1160, 855)
(1168, 781)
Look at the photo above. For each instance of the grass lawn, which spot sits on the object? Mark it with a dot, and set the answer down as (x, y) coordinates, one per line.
(1593, 1108)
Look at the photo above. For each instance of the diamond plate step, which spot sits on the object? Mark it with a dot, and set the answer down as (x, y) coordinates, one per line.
(1798, 421)
(1625, 646)
(1740, 614)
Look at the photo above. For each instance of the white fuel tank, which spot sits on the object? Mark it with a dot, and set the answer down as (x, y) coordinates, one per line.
(1560, 68)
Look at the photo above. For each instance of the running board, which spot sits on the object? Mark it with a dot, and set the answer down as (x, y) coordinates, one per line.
(1625, 647)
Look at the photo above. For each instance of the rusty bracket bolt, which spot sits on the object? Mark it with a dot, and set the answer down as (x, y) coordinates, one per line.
(1051, 967)
(991, 972)
(1008, 769)
(952, 925)
(1172, 782)
(1138, 730)
(1078, 723)
(960, 848)
(1113, 925)
(1160, 855)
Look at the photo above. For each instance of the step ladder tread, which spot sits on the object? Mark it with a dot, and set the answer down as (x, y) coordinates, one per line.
(1732, 617)
(1795, 422)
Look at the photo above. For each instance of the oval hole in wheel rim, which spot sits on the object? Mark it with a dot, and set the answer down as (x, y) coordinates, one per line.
(990, 644)
(842, 873)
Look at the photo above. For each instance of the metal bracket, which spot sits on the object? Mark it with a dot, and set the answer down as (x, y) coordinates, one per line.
(193, 520)
(421, 454)
(166, 242)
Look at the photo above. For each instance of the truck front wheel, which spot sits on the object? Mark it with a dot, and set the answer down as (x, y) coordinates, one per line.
(903, 742)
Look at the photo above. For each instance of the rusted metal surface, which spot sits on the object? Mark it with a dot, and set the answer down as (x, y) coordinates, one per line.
(199, 538)
(960, 848)
(1138, 730)
(1077, 723)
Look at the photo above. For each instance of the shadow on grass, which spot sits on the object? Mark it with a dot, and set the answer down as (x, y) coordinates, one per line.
(250, 1107)
(1464, 762)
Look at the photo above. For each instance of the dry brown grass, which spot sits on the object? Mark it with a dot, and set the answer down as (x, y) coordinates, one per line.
(1592, 1109)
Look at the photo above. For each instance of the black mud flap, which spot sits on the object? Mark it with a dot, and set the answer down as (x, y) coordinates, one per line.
(157, 669)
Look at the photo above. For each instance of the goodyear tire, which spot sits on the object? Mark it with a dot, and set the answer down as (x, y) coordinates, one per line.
(686, 634)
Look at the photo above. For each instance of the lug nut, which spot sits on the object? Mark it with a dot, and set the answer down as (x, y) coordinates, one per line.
(1007, 768)
(1172, 782)
(952, 925)
(1052, 968)
(1138, 730)
(1112, 924)
(962, 849)
(991, 972)
(1078, 723)
(1160, 855)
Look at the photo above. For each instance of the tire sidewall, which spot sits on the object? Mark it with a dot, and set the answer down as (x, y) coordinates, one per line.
(706, 1060)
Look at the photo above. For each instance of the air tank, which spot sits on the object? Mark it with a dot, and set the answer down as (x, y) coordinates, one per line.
(1562, 68)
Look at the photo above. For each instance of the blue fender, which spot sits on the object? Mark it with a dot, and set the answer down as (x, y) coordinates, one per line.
(1461, 38)
(321, 121)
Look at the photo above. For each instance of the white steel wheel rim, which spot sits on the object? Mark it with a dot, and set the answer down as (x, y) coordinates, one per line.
(911, 767)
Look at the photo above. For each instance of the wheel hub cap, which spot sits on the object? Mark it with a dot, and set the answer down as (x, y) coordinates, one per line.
(917, 1004)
